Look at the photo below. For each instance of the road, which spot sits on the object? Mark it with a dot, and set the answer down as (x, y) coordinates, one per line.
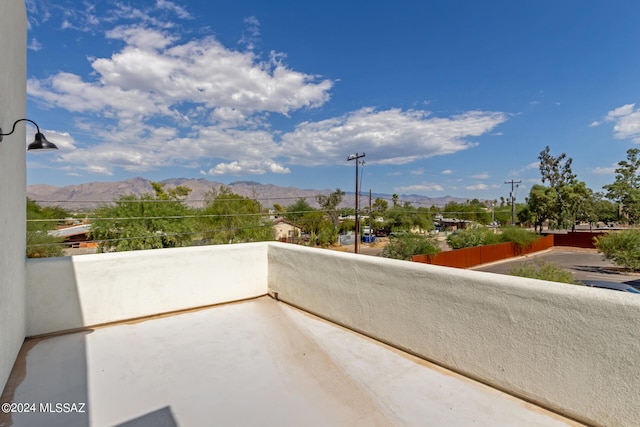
(584, 264)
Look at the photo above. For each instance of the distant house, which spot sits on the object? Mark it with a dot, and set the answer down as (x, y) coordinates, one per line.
(76, 236)
(452, 224)
(286, 231)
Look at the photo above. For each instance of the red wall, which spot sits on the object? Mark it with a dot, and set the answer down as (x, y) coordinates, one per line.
(469, 257)
(578, 239)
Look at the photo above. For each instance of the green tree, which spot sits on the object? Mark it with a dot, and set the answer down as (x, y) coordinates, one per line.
(149, 221)
(542, 204)
(379, 207)
(329, 204)
(578, 201)
(626, 187)
(39, 222)
(604, 210)
(525, 216)
(297, 210)
(407, 218)
(231, 218)
(347, 211)
(572, 196)
(327, 234)
(471, 210)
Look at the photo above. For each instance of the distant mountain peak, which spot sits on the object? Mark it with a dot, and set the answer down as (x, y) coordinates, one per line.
(245, 183)
(90, 195)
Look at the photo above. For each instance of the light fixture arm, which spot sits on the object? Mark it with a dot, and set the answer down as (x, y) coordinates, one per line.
(13, 129)
(40, 141)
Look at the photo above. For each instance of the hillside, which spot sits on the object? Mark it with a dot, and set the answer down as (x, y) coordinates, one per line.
(90, 195)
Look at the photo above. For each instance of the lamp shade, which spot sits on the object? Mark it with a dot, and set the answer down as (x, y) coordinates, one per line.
(40, 143)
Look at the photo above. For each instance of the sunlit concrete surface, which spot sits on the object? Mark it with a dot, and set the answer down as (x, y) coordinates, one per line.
(259, 362)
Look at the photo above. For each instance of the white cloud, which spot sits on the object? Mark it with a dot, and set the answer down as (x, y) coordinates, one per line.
(34, 45)
(389, 136)
(251, 33)
(152, 75)
(160, 101)
(446, 172)
(606, 170)
(625, 110)
(248, 167)
(477, 187)
(626, 121)
(419, 188)
(178, 10)
(483, 175)
(530, 166)
(417, 172)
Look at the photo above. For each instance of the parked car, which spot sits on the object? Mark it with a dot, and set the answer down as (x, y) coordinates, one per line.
(622, 287)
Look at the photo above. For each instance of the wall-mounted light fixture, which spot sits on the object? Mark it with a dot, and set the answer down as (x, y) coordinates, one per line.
(39, 143)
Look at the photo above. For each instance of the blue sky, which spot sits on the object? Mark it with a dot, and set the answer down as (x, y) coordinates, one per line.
(444, 97)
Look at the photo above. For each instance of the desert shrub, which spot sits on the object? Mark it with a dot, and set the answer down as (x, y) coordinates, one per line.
(405, 246)
(623, 248)
(519, 236)
(472, 237)
(485, 236)
(544, 271)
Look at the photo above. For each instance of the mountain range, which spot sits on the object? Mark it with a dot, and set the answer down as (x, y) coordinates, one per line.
(90, 195)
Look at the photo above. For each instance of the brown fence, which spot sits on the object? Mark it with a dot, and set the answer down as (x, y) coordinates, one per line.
(469, 257)
(579, 239)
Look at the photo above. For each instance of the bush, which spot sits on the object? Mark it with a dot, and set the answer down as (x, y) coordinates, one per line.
(544, 271)
(485, 236)
(472, 237)
(623, 248)
(405, 246)
(518, 236)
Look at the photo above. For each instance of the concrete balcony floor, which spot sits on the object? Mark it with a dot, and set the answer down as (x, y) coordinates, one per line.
(257, 362)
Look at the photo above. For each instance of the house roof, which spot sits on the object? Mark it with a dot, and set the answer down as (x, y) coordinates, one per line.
(71, 231)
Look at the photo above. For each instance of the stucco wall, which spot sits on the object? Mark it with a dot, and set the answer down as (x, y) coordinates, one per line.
(570, 348)
(573, 349)
(13, 33)
(73, 292)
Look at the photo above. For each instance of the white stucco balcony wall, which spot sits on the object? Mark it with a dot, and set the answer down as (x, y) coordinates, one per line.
(74, 292)
(572, 349)
(569, 348)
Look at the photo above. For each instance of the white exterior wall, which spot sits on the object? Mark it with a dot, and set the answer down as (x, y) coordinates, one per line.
(573, 349)
(74, 292)
(13, 42)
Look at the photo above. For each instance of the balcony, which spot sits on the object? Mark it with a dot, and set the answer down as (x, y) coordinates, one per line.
(277, 334)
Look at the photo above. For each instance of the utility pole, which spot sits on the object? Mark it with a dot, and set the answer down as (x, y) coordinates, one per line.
(513, 200)
(370, 220)
(356, 157)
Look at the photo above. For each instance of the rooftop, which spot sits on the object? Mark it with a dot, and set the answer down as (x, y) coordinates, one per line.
(257, 362)
(228, 333)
